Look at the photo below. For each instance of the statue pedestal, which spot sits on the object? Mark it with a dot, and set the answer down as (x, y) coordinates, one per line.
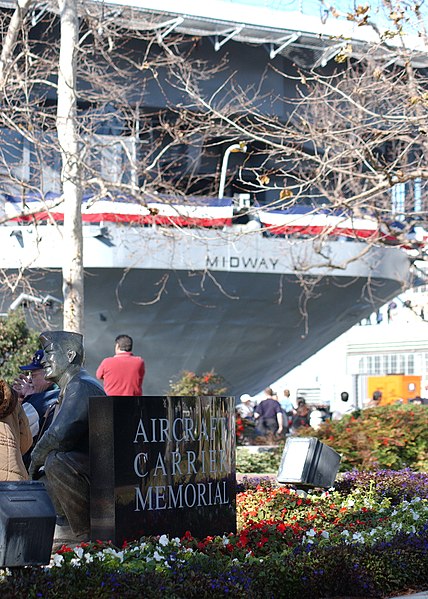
(161, 465)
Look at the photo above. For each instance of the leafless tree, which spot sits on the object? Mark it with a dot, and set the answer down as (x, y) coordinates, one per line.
(353, 137)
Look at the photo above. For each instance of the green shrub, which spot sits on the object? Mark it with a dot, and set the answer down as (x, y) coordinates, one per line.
(392, 437)
(189, 383)
(389, 437)
(17, 344)
(265, 462)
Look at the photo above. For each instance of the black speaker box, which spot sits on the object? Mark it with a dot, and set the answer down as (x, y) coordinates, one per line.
(27, 524)
(308, 462)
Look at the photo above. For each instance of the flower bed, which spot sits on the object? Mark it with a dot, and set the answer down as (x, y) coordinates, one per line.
(367, 538)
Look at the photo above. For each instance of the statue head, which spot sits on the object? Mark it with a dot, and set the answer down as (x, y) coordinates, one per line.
(63, 353)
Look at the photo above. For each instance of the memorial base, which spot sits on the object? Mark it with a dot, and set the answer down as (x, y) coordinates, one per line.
(162, 465)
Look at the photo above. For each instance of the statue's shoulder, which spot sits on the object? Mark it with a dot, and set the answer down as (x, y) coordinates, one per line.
(91, 382)
(83, 380)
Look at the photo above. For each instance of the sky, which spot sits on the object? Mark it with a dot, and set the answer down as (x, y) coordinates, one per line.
(317, 15)
(320, 8)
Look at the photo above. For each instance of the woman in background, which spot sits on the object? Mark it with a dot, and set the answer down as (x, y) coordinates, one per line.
(302, 415)
(15, 435)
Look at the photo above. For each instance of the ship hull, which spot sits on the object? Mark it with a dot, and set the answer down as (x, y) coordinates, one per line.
(249, 307)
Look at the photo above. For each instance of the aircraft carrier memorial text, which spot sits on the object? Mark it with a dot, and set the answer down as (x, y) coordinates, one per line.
(161, 465)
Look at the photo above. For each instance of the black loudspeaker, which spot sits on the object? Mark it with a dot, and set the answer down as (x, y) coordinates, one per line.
(308, 462)
(27, 524)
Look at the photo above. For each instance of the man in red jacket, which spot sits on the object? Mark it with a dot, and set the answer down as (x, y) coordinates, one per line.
(123, 373)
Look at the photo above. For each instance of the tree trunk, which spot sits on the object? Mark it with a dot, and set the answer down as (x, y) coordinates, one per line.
(11, 37)
(72, 269)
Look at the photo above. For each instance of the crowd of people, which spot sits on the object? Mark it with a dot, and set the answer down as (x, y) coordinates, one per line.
(274, 416)
(277, 415)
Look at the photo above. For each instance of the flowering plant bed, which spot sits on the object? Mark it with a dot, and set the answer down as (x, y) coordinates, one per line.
(366, 538)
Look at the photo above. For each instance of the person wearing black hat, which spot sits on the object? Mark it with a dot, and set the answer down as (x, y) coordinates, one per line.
(34, 390)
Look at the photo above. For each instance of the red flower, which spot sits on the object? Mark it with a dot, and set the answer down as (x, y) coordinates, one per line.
(64, 549)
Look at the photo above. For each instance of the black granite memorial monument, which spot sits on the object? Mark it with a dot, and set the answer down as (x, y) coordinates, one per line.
(161, 465)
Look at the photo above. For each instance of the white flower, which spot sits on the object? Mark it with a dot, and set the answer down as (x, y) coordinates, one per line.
(75, 562)
(57, 560)
(78, 551)
(357, 536)
(345, 533)
(157, 556)
(311, 533)
(226, 541)
(89, 558)
(163, 540)
(325, 534)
